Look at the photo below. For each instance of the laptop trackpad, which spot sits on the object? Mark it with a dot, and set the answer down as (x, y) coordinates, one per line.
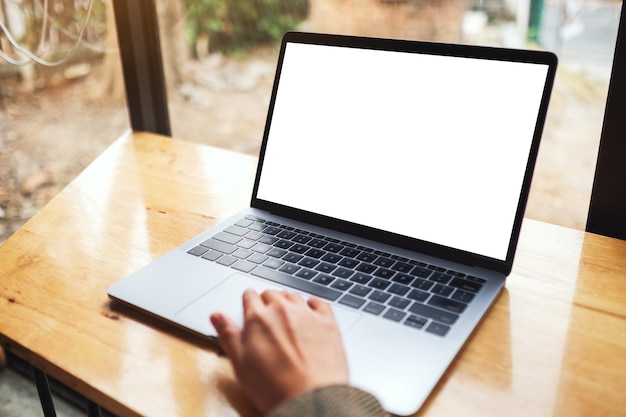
(226, 298)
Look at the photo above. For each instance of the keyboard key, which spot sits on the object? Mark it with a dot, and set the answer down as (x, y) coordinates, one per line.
(436, 268)
(333, 247)
(289, 268)
(399, 302)
(236, 230)
(394, 315)
(440, 278)
(476, 279)
(197, 250)
(270, 240)
(326, 267)
(284, 244)
(374, 308)
(418, 271)
(299, 248)
(246, 243)
(341, 284)
(317, 243)
(244, 222)
(309, 262)
(366, 268)
(379, 296)
(211, 255)
(384, 273)
(301, 239)
(433, 313)
(292, 257)
(333, 258)
(437, 328)
(403, 278)
(422, 284)
(257, 258)
(416, 322)
(261, 248)
(306, 273)
(352, 301)
(273, 263)
(366, 257)
(271, 230)
(348, 263)
(254, 218)
(257, 227)
(324, 279)
(418, 295)
(227, 260)
(286, 234)
(315, 253)
(447, 304)
(384, 262)
(244, 266)
(254, 235)
(242, 253)
(219, 246)
(465, 285)
(297, 283)
(343, 272)
(398, 289)
(276, 253)
(361, 278)
(402, 267)
(442, 290)
(379, 283)
(421, 272)
(462, 296)
(360, 290)
(350, 252)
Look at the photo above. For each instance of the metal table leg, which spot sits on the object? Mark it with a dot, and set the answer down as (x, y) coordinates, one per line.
(43, 389)
(45, 396)
(93, 409)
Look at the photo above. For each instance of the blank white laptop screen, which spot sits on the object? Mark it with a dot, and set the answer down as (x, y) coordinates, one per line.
(427, 146)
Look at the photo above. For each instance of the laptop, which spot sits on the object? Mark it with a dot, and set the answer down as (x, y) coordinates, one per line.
(392, 181)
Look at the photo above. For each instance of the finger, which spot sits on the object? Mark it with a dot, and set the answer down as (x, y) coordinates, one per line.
(249, 296)
(319, 305)
(270, 296)
(228, 333)
(291, 296)
(251, 302)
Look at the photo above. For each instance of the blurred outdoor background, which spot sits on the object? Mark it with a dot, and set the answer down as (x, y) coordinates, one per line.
(62, 94)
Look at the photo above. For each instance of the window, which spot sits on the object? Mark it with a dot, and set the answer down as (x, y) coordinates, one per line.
(219, 58)
(61, 98)
(224, 79)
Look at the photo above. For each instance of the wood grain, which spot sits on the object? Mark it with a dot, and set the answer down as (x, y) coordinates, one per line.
(553, 344)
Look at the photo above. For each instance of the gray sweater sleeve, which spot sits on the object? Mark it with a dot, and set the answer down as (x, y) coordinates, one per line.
(336, 401)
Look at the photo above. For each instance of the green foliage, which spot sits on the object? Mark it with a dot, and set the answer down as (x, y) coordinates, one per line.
(234, 25)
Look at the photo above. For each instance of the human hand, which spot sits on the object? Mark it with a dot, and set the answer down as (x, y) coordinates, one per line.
(287, 346)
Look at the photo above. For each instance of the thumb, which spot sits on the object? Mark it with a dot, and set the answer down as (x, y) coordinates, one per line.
(228, 333)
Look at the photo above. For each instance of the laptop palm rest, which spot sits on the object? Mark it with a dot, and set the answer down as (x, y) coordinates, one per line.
(226, 298)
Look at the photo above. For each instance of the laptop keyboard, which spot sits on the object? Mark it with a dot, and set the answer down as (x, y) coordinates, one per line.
(413, 293)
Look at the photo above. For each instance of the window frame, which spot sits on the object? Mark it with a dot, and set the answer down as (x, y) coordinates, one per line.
(142, 65)
(607, 208)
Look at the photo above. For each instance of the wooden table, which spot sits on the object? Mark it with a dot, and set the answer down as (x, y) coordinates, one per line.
(554, 344)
